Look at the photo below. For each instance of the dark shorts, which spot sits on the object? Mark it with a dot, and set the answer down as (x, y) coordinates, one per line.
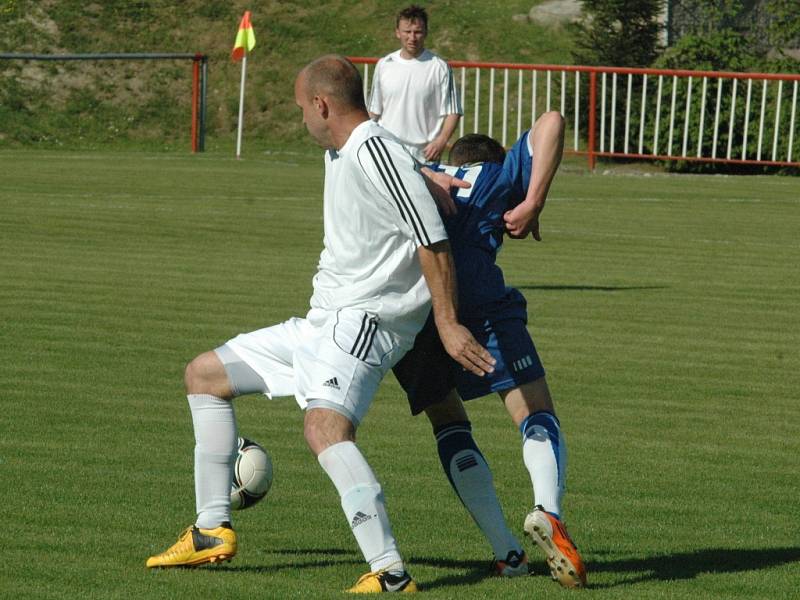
(427, 373)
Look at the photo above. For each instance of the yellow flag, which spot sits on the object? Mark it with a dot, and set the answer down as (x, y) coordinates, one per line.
(245, 38)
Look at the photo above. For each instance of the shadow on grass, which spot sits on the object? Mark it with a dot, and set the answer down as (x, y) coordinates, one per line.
(666, 567)
(348, 557)
(469, 571)
(688, 565)
(590, 288)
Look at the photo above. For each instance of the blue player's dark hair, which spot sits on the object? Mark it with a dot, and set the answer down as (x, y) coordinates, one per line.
(476, 147)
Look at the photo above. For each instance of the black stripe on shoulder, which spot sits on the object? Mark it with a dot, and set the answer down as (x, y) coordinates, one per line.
(397, 188)
(376, 159)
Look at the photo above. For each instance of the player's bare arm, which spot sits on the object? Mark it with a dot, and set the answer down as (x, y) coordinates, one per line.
(437, 266)
(547, 143)
(439, 185)
(434, 150)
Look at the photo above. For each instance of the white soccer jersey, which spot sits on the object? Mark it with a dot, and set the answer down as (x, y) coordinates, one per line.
(377, 212)
(413, 96)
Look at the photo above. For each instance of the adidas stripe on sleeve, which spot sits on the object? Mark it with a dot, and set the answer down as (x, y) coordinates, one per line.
(451, 103)
(375, 105)
(394, 174)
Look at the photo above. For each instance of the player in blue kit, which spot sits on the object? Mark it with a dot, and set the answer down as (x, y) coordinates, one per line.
(506, 196)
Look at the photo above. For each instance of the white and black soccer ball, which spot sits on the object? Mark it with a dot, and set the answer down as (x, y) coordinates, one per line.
(252, 475)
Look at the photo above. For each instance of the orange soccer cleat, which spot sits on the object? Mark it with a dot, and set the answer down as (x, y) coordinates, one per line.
(551, 536)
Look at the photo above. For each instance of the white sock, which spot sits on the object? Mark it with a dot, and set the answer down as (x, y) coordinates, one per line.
(215, 447)
(363, 505)
(544, 451)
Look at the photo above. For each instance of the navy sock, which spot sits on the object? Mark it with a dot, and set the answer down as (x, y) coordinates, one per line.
(471, 478)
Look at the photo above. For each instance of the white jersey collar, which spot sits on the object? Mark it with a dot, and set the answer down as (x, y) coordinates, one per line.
(424, 56)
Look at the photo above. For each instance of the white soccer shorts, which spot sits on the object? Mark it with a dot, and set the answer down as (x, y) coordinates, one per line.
(336, 357)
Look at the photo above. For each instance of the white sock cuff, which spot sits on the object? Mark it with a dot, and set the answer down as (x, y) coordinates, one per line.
(346, 467)
(201, 401)
(214, 423)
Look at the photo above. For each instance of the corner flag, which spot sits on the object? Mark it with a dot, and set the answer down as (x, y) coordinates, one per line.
(245, 42)
(245, 38)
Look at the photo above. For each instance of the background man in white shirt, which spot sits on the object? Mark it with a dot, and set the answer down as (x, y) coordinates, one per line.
(413, 91)
(385, 261)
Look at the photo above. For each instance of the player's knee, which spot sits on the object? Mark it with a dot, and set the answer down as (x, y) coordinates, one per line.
(314, 439)
(317, 438)
(323, 428)
(527, 399)
(192, 374)
(205, 375)
(448, 411)
(537, 397)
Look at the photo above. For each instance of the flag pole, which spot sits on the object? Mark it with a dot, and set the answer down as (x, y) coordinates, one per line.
(245, 41)
(241, 107)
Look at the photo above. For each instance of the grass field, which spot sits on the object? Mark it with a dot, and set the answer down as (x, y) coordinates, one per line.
(665, 309)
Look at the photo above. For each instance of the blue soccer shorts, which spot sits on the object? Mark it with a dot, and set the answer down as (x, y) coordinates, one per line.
(427, 373)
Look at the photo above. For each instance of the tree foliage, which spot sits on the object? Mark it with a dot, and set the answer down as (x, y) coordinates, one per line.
(727, 36)
(784, 26)
(621, 33)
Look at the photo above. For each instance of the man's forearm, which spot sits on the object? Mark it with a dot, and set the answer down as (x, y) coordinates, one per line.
(439, 271)
(449, 126)
(440, 274)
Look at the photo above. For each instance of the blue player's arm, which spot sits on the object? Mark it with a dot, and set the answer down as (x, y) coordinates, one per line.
(547, 143)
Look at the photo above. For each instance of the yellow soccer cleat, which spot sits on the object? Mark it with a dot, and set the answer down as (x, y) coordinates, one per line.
(198, 546)
(383, 581)
(566, 565)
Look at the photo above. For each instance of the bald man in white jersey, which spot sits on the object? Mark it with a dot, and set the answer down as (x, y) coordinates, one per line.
(386, 260)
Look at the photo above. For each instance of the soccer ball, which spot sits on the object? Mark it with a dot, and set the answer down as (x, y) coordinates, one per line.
(252, 475)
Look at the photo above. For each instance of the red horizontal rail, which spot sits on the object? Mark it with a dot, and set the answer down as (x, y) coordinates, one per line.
(618, 70)
(591, 151)
(674, 157)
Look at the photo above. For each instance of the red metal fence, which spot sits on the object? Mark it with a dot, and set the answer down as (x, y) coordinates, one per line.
(704, 116)
(199, 80)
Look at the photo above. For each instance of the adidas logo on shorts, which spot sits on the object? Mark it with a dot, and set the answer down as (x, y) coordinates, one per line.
(332, 382)
(358, 519)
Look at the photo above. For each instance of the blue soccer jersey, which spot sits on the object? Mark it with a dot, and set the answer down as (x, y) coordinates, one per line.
(494, 313)
(476, 230)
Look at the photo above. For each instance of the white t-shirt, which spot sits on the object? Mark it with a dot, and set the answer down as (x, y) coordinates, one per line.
(377, 212)
(412, 97)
